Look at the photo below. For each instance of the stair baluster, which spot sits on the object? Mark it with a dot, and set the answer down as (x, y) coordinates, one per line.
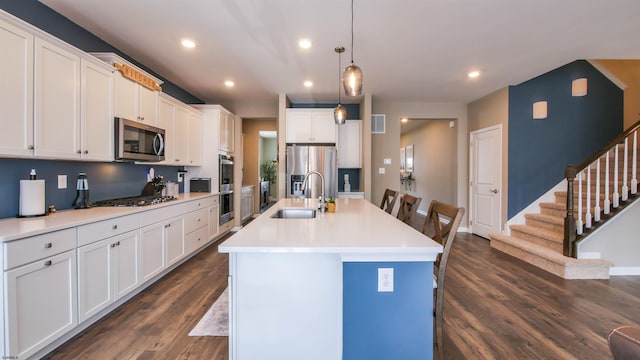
(634, 181)
(616, 195)
(596, 209)
(607, 201)
(625, 187)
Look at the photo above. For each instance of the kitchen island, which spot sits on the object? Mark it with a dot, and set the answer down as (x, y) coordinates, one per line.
(308, 288)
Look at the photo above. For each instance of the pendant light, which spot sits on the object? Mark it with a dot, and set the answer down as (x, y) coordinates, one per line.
(339, 113)
(352, 75)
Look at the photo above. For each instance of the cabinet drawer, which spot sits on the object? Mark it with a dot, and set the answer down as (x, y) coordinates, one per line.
(195, 240)
(161, 214)
(107, 228)
(199, 204)
(195, 220)
(30, 249)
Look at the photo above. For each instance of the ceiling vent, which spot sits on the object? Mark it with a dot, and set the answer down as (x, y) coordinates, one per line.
(377, 123)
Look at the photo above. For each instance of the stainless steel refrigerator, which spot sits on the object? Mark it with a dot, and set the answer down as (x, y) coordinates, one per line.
(304, 158)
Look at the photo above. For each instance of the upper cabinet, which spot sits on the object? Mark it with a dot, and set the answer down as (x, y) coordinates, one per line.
(226, 131)
(16, 91)
(310, 126)
(183, 125)
(349, 145)
(96, 111)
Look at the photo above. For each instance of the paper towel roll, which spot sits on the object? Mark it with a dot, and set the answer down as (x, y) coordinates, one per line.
(31, 197)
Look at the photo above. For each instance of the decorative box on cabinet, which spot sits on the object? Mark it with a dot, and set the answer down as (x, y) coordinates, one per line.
(40, 291)
(349, 148)
(310, 126)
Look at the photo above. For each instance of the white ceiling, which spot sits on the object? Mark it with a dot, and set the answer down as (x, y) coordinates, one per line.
(408, 50)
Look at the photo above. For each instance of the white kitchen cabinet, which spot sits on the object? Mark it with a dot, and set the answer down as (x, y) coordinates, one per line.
(16, 91)
(41, 303)
(214, 218)
(310, 126)
(226, 132)
(96, 112)
(247, 202)
(349, 148)
(152, 251)
(196, 229)
(107, 270)
(184, 137)
(174, 240)
(134, 101)
(57, 102)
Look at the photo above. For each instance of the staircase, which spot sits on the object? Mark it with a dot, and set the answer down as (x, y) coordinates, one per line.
(540, 241)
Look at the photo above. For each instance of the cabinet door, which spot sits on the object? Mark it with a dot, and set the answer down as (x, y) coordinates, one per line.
(165, 121)
(323, 126)
(298, 127)
(152, 250)
(181, 132)
(41, 303)
(96, 112)
(125, 104)
(174, 238)
(213, 222)
(195, 139)
(125, 263)
(57, 102)
(230, 131)
(349, 145)
(95, 278)
(147, 105)
(16, 91)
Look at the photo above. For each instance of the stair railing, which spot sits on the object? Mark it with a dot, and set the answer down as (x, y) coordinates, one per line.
(613, 200)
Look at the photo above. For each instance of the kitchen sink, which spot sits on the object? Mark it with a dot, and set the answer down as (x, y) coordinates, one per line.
(294, 213)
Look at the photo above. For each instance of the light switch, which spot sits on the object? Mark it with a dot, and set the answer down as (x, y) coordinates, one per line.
(385, 279)
(381, 170)
(387, 161)
(62, 181)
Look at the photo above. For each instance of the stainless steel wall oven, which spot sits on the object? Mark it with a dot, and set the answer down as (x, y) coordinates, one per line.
(226, 188)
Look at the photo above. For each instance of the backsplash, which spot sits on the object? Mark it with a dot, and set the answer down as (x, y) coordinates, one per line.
(106, 180)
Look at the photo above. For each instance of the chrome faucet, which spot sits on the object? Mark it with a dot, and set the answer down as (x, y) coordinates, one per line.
(321, 201)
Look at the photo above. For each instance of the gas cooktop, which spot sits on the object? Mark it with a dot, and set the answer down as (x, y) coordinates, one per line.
(135, 201)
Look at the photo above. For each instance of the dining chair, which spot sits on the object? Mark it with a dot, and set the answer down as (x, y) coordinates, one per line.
(408, 207)
(389, 200)
(443, 233)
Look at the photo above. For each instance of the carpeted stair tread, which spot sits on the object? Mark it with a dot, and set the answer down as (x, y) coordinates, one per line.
(549, 260)
(539, 232)
(546, 218)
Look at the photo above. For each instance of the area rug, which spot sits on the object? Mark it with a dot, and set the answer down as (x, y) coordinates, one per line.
(216, 320)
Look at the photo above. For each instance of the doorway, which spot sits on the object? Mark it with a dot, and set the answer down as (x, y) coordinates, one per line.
(485, 185)
(268, 167)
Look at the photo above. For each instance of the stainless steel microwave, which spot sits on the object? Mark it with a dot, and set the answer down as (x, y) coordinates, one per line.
(138, 142)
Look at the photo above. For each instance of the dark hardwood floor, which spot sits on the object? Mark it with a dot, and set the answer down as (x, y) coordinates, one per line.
(496, 307)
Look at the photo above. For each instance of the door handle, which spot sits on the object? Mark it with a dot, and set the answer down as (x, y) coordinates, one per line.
(495, 191)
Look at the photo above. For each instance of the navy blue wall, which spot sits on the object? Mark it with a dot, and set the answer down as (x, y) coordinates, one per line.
(40, 16)
(106, 180)
(387, 325)
(575, 128)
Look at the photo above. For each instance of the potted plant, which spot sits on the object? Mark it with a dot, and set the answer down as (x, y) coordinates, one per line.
(331, 205)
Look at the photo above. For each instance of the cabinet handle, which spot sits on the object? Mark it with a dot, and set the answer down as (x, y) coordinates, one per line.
(112, 245)
(115, 227)
(198, 219)
(48, 263)
(167, 226)
(31, 147)
(48, 245)
(117, 243)
(79, 151)
(177, 160)
(86, 151)
(198, 239)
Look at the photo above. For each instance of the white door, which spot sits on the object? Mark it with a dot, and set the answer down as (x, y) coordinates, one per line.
(486, 175)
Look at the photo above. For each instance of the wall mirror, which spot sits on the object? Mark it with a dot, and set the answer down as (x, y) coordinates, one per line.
(409, 158)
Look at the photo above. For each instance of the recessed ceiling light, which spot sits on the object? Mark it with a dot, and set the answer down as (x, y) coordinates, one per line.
(308, 83)
(304, 43)
(190, 44)
(474, 74)
(229, 83)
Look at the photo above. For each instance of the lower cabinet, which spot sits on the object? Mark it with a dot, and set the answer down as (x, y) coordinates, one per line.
(214, 218)
(40, 304)
(107, 270)
(174, 240)
(152, 251)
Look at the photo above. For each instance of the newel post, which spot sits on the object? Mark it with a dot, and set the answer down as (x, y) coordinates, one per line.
(569, 220)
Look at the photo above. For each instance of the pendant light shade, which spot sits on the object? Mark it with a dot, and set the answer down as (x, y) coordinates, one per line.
(352, 80)
(352, 75)
(339, 113)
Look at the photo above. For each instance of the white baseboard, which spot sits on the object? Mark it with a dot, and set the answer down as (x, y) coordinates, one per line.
(534, 207)
(624, 270)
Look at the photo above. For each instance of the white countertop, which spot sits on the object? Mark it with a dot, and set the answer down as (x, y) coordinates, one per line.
(17, 228)
(357, 231)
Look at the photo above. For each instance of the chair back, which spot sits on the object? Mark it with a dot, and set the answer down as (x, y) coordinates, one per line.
(408, 207)
(442, 233)
(389, 200)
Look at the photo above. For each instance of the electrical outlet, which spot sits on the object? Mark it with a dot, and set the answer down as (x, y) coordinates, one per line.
(385, 279)
(381, 170)
(62, 181)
